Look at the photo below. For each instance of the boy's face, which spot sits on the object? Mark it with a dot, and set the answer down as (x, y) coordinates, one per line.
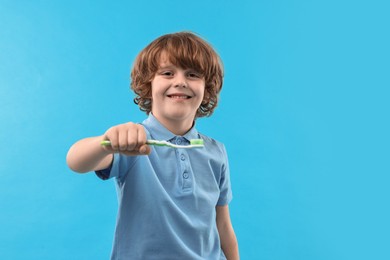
(176, 93)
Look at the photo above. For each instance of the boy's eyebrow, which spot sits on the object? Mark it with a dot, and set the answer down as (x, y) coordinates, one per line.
(172, 66)
(167, 66)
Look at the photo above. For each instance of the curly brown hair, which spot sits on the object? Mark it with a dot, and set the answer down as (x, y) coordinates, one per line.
(183, 49)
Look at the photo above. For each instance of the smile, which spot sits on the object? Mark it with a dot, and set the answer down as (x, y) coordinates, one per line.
(179, 96)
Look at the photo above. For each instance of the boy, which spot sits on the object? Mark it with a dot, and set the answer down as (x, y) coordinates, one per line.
(173, 202)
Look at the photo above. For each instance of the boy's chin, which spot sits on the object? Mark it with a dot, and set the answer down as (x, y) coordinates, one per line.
(176, 115)
(181, 116)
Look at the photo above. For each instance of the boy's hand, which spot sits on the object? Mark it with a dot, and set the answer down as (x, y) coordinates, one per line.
(128, 139)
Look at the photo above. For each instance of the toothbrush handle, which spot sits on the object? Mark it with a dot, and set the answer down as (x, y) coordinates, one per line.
(149, 142)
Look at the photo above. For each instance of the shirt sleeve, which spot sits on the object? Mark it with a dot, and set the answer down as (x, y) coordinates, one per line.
(105, 173)
(119, 167)
(225, 195)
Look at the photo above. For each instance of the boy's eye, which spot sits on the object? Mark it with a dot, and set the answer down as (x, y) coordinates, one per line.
(167, 73)
(193, 75)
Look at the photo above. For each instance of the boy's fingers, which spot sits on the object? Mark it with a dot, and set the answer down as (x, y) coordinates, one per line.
(141, 135)
(131, 139)
(123, 140)
(145, 149)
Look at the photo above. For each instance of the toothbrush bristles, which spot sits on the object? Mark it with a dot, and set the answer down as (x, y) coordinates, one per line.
(197, 142)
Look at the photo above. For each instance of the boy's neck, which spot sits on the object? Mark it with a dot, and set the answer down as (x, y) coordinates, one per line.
(178, 127)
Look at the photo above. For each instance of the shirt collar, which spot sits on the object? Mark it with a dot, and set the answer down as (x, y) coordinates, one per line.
(160, 132)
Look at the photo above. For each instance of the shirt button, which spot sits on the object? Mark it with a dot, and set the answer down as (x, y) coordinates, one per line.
(178, 141)
(185, 175)
(182, 157)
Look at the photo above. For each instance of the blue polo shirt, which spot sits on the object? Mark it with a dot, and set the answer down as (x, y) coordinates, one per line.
(167, 199)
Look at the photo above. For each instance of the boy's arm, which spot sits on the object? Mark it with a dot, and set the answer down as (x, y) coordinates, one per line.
(89, 155)
(226, 233)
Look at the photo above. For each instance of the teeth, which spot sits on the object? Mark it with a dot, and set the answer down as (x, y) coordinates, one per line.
(179, 97)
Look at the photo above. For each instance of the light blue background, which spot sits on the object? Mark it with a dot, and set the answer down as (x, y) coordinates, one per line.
(304, 114)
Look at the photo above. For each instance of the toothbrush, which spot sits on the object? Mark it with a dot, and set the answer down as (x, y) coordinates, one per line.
(194, 143)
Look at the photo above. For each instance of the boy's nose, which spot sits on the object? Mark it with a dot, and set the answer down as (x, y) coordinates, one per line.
(180, 81)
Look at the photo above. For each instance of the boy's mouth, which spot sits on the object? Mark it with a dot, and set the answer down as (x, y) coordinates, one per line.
(179, 96)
